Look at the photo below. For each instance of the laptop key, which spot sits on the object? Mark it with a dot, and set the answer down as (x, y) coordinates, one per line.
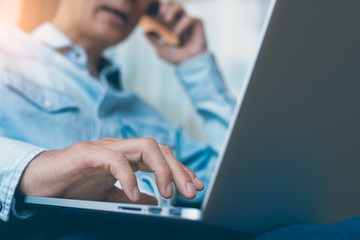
(175, 211)
(155, 210)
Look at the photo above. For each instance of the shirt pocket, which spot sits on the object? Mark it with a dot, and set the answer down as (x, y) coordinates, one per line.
(43, 98)
(37, 114)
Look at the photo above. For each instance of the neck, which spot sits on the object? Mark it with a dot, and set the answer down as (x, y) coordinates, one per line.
(90, 45)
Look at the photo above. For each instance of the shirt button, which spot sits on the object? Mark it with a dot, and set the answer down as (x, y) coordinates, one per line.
(47, 104)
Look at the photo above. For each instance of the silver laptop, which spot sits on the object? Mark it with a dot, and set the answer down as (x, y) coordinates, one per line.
(292, 154)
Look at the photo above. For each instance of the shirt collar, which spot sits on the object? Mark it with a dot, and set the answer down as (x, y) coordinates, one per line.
(49, 35)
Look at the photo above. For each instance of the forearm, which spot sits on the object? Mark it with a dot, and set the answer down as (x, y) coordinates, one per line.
(204, 84)
(49, 172)
(14, 158)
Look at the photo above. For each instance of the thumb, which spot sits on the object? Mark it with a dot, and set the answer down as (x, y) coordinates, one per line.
(158, 43)
(164, 51)
(154, 40)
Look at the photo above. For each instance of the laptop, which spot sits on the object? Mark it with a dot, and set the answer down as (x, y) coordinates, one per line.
(292, 152)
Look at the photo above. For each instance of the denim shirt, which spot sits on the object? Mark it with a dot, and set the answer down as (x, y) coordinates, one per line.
(49, 100)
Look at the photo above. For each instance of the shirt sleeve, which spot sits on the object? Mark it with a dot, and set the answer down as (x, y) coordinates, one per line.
(14, 158)
(206, 88)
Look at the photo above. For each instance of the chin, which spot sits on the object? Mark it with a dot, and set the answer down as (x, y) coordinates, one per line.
(110, 38)
(112, 35)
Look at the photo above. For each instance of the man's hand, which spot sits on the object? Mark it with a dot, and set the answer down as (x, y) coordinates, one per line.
(191, 29)
(89, 170)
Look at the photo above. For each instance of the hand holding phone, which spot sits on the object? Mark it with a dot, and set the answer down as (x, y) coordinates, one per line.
(154, 23)
(181, 36)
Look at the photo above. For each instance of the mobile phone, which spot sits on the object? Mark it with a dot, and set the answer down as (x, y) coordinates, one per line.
(153, 22)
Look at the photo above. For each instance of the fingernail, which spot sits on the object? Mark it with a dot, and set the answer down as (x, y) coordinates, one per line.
(190, 188)
(136, 194)
(199, 182)
(169, 190)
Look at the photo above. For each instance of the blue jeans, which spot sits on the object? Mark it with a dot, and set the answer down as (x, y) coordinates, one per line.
(69, 227)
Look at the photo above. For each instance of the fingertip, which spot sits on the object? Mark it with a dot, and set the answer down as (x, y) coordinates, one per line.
(168, 18)
(177, 31)
(136, 194)
(199, 184)
(169, 190)
(149, 35)
(153, 38)
(191, 191)
(162, 9)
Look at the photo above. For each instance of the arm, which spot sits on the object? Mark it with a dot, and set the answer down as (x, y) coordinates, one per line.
(198, 72)
(204, 84)
(14, 158)
(77, 172)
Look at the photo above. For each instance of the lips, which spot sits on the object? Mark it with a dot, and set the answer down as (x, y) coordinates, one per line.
(117, 13)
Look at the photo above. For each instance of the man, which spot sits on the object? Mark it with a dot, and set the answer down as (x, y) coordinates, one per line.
(58, 92)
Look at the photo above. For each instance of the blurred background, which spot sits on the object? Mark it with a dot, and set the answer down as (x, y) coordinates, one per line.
(232, 27)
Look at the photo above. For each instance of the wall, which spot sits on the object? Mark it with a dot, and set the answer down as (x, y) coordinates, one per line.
(10, 11)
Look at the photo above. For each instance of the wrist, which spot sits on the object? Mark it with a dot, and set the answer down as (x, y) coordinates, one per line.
(192, 55)
(196, 62)
(46, 173)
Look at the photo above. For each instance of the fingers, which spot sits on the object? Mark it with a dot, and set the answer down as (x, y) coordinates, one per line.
(115, 163)
(122, 157)
(185, 25)
(146, 154)
(197, 182)
(164, 50)
(154, 159)
(175, 13)
(171, 11)
(122, 171)
(167, 169)
(189, 30)
(185, 180)
(154, 41)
